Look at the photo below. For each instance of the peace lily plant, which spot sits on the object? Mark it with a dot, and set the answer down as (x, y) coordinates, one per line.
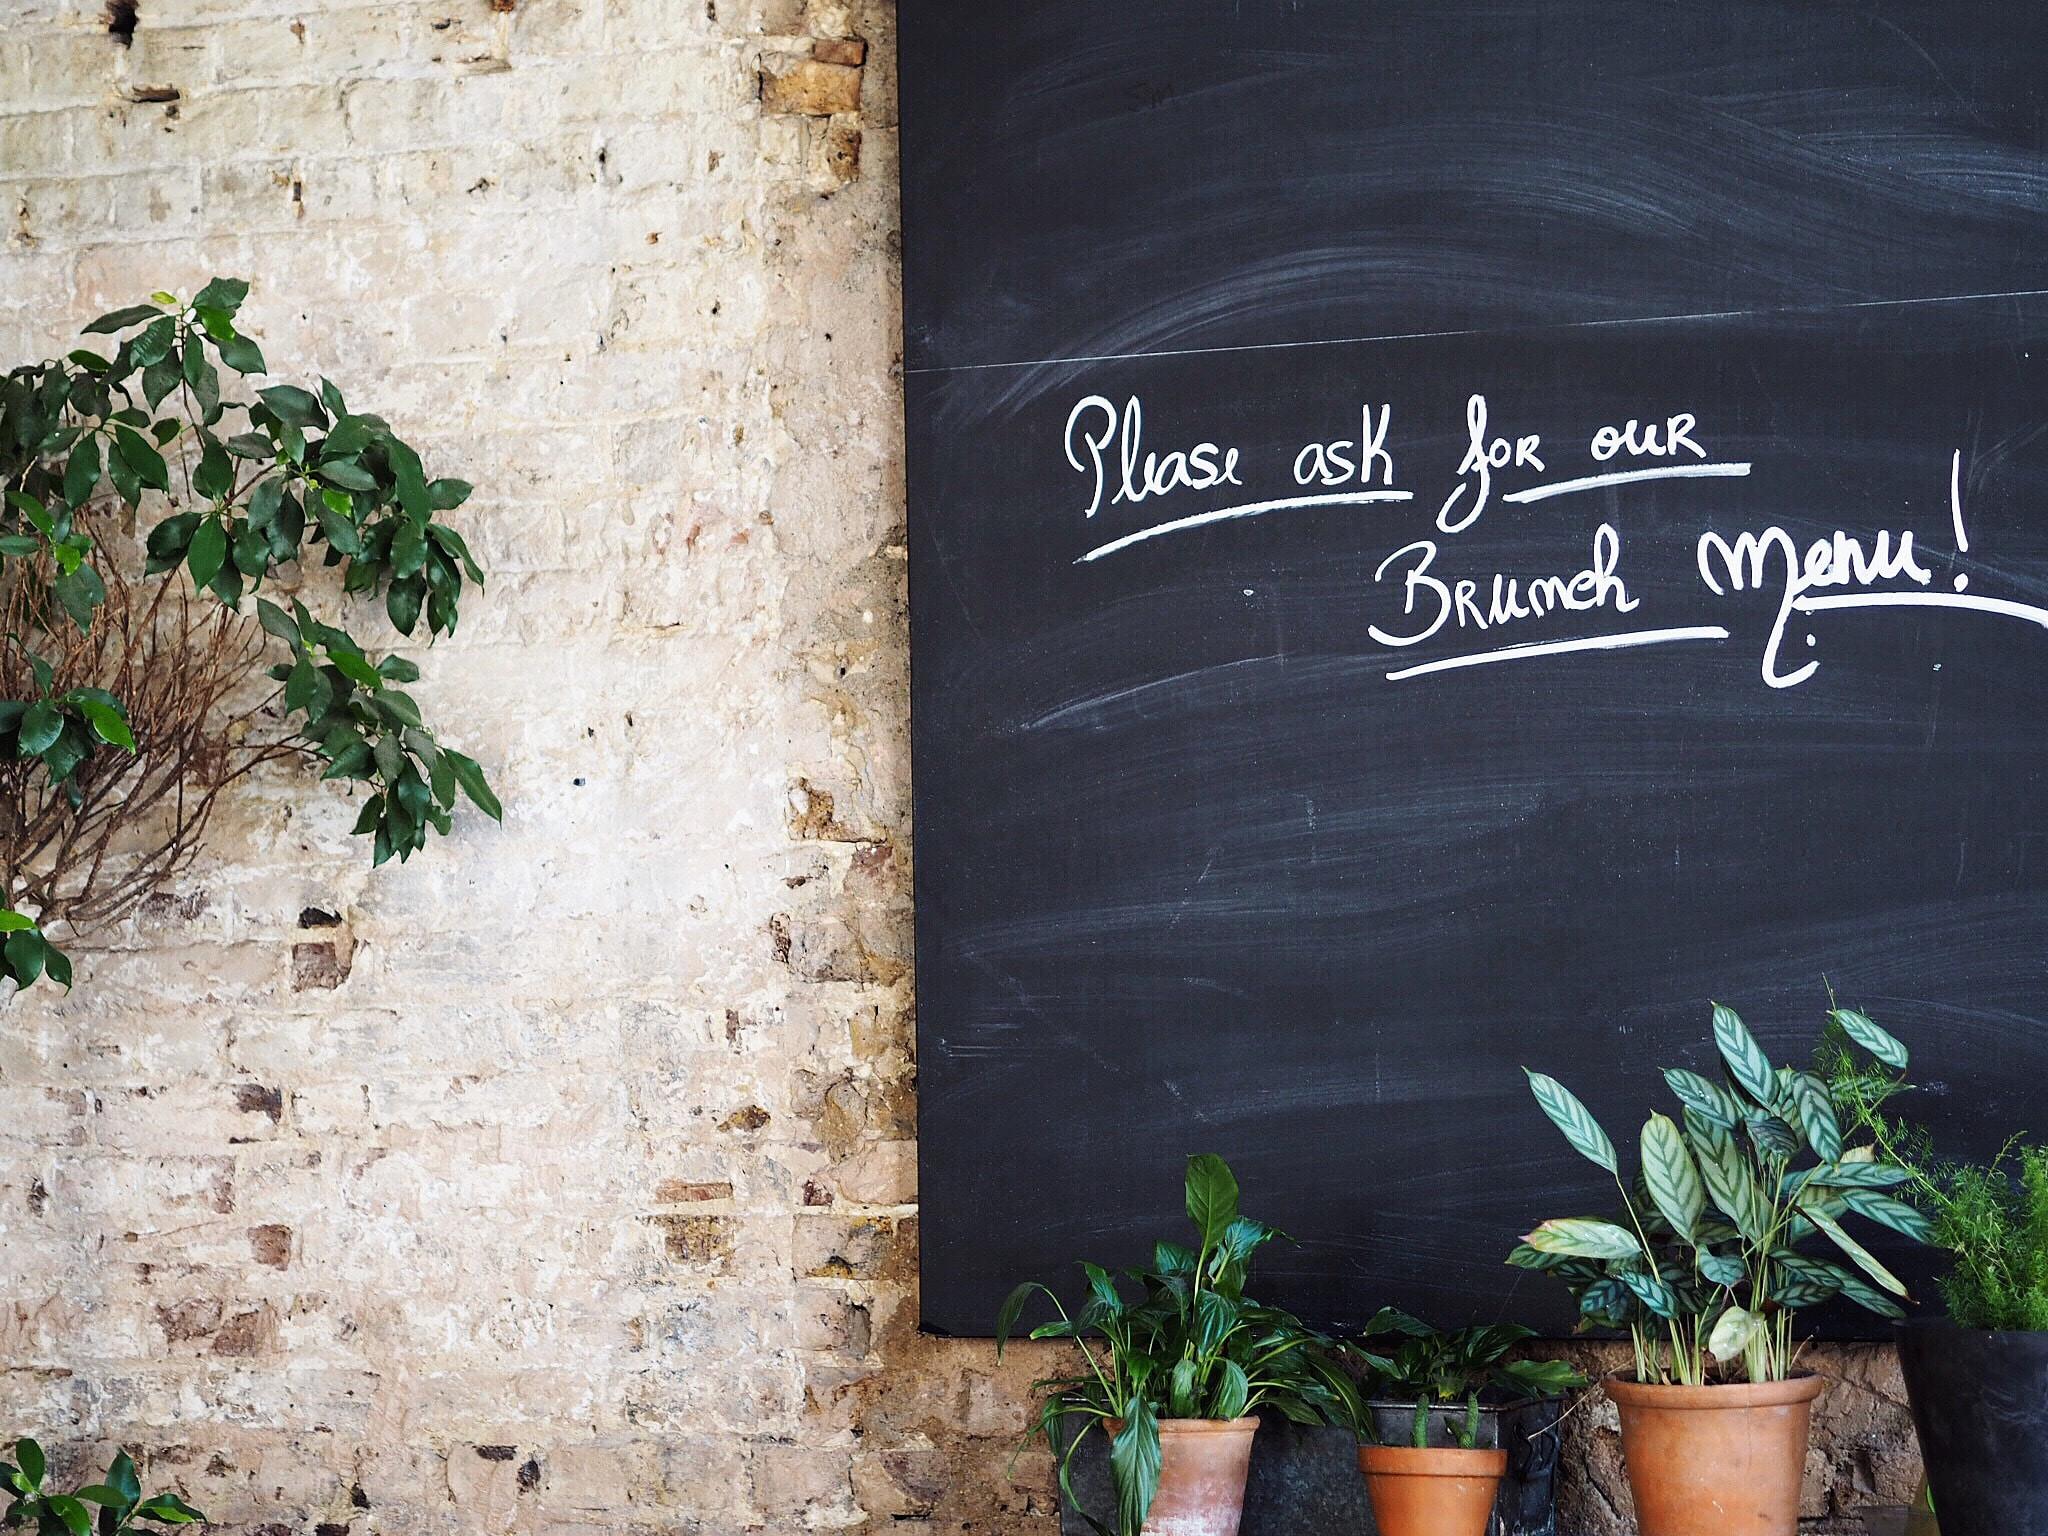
(1188, 1351)
(1705, 1267)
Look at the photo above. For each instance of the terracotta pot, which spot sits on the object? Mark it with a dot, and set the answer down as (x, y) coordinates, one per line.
(1716, 1461)
(1202, 1469)
(1431, 1492)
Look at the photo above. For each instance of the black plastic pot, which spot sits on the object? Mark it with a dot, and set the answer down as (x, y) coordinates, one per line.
(1980, 1404)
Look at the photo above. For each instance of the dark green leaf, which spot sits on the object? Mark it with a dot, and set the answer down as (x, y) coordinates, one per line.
(155, 343)
(402, 603)
(223, 293)
(214, 476)
(121, 319)
(1134, 1459)
(447, 495)
(159, 379)
(208, 549)
(40, 727)
(292, 406)
(242, 355)
(82, 473)
(133, 450)
(1211, 1187)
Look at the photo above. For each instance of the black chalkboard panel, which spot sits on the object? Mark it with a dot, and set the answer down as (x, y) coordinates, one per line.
(1444, 536)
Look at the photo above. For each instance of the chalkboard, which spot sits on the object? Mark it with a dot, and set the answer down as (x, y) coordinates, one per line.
(1444, 536)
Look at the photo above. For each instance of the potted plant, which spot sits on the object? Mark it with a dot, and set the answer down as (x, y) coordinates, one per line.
(1706, 1271)
(1173, 1376)
(1977, 1378)
(1429, 1447)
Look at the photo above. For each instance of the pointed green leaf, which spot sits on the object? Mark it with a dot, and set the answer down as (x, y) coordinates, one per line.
(1747, 1063)
(1211, 1186)
(1859, 1027)
(1585, 1237)
(1134, 1459)
(1815, 1108)
(1709, 1098)
(1668, 1173)
(1858, 1254)
(1574, 1119)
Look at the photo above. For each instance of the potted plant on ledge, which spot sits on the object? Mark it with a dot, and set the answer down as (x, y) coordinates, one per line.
(1705, 1270)
(1430, 1448)
(1977, 1378)
(1173, 1377)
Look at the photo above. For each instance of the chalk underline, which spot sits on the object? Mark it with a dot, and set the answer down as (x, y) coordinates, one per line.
(1493, 330)
(1561, 647)
(1248, 509)
(1630, 477)
(1997, 605)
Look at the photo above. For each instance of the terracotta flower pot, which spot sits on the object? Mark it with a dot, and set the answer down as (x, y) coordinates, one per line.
(1716, 1461)
(1202, 1468)
(1431, 1492)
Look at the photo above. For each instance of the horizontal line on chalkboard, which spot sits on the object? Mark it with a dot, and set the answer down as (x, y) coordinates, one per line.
(1249, 509)
(1998, 605)
(1562, 647)
(1489, 330)
(1630, 477)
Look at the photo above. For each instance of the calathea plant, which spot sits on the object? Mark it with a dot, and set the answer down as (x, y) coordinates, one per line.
(124, 705)
(1408, 1360)
(118, 1500)
(1705, 1267)
(1189, 1344)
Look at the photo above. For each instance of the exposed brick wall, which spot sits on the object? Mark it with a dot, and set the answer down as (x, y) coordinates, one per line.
(562, 1181)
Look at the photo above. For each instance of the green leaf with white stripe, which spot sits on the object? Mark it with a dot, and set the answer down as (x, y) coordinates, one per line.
(1871, 1299)
(1703, 1094)
(1860, 1256)
(1880, 1043)
(1886, 1211)
(1730, 1185)
(1651, 1291)
(1673, 1182)
(1734, 1331)
(1574, 1119)
(1585, 1237)
(1723, 1270)
(1747, 1063)
(1858, 1176)
(1815, 1109)
(1773, 1137)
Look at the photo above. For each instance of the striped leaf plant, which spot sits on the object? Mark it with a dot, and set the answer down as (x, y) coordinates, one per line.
(1707, 1265)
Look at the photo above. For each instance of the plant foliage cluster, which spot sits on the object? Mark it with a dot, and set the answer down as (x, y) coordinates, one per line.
(1189, 1344)
(1705, 1267)
(1406, 1359)
(233, 491)
(119, 1499)
(1991, 1218)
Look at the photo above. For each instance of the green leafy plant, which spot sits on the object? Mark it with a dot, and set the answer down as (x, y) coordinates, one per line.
(1704, 1269)
(119, 1499)
(1190, 1344)
(114, 700)
(1419, 1364)
(1991, 1218)
(26, 955)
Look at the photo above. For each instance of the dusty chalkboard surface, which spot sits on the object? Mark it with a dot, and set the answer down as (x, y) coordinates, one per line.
(1443, 536)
